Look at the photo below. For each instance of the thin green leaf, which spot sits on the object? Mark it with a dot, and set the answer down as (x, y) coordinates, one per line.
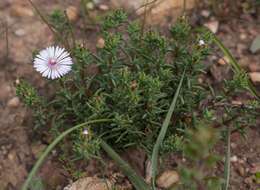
(227, 161)
(136, 180)
(163, 131)
(51, 147)
(235, 66)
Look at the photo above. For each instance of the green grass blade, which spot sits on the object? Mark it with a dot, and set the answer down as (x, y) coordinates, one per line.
(227, 161)
(235, 66)
(163, 131)
(51, 147)
(135, 179)
(227, 53)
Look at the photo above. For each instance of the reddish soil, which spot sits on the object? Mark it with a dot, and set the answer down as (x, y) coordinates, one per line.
(26, 32)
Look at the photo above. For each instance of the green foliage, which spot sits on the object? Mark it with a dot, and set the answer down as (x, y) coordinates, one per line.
(31, 99)
(28, 93)
(132, 80)
(115, 19)
(59, 21)
(37, 184)
(198, 149)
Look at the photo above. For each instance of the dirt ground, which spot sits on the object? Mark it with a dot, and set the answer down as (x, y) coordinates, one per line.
(26, 32)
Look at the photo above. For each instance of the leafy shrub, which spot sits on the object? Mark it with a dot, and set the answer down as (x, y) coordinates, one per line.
(132, 81)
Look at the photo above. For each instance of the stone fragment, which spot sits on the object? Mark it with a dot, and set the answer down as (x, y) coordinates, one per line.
(14, 102)
(72, 13)
(90, 183)
(212, 26)
(255, 76)
(167, 179)
(21, 11)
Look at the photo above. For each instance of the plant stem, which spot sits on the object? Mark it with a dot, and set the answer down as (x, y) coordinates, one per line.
(136, 180)
(52, 145)
(56, 34)
(227, 161)
(163, 131)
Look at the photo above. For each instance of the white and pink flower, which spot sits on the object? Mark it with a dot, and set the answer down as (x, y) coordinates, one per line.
(53, 62)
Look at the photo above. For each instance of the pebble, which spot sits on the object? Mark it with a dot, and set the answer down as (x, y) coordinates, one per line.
(233, 159)
(255, 46)
(212, 26)
(90, 5)
(17, 81)
(167, 179)
(100, 43)
(89, 183)
(72, 13)
(20, 32)
(5, 91)
(11, 156)
(236, 102)
(205, 13)
(103, 7)
(255, 76)
(14, 102)
(241, 170)
(254, 67)
(21, 11)
(243, 36)
(233, 145)
(223, 60)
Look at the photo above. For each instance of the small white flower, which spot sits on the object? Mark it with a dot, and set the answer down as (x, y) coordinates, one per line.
(85, 132)
(53, 62)
(201, 42)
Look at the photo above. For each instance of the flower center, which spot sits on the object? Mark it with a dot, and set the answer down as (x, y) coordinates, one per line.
(52, 62)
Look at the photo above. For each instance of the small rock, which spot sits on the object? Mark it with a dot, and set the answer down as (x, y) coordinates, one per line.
(100, 43)
(233, 145)
(255, 46)
(223, 60)
(96, 1)
(20, 32)
(241, 170)
(205, 13)
(254, 67)
(212, 26)
(5, 91)
(236, 102)
(255, 76)
(243, 36)
(103, 7)
(14, 102)
(17, 81)
(21, 11)
(72, 13)
(90, 5)
(89, 183)
(233, 159)
(167, 179)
